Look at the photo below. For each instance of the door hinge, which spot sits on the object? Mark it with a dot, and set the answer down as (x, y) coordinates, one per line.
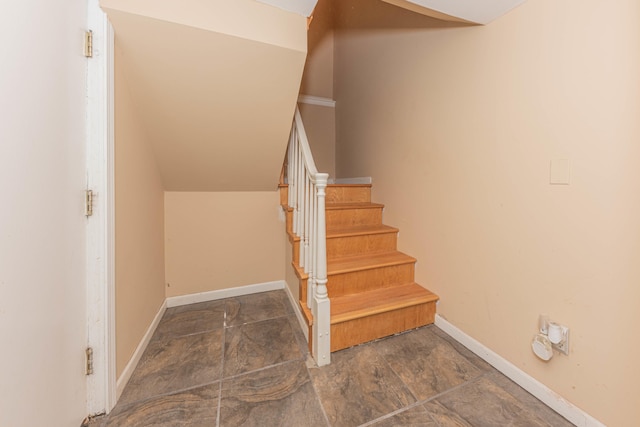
(88, 44)
(89, 361)
(88, 203)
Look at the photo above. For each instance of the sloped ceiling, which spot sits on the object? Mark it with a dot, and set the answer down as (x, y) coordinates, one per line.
(474, 11)
(301, 7)
(216, 97)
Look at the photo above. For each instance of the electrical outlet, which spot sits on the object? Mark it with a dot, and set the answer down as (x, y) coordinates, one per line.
(563, 346)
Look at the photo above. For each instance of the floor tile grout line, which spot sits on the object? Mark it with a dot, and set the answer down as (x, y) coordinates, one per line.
(315, 391)
(258, 321)
(127, 406)
(222, 354)
(264, 368)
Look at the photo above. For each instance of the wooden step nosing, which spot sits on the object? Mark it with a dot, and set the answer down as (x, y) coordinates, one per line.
(349, 185)
(355, 231)
(346, 206)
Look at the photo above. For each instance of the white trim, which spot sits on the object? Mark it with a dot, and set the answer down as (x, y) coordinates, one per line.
(296, 308)
(358, 180)
(317, 100)
(101, 386)
(137, 354)
(552, 399)
(225, 293)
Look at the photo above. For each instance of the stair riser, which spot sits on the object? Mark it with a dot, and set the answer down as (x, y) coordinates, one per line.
(342, 218)
(360, 245)
(365, 280)
(348, 194)
(357, 331)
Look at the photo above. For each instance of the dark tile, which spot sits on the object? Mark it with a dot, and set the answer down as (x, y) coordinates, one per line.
(303, 344)
(468, 354)
(257, 345)
(176, 364)
(256, 307)
(482, 403)
(359, 386)
(191, 319)
(528, 400)
(194, 407)
(414, 417)
(277, 396)
(427, 364)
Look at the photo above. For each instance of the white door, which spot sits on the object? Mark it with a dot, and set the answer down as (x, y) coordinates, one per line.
(101, 388)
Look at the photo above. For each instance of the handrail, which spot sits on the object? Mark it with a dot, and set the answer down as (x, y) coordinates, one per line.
(307, 199)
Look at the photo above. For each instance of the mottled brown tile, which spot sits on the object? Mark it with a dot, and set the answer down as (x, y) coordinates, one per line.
(256, 307)
(303, 344)
(359, 386)
(427, 364)
(414, 417)
(259, 344)
(194, 407)
(176, 364)
(191, 319)
(468, 354)
(481, 403)
(532, 404)
(277, 396)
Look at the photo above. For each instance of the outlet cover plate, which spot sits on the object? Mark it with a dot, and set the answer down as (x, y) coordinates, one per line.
(563, 347)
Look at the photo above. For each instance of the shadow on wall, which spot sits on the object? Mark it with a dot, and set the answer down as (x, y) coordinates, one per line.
(378, 15)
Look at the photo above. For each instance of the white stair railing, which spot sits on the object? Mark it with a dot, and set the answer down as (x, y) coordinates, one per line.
(307, 199)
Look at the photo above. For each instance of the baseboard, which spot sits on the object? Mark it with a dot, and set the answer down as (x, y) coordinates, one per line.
(296, 308)
(225, 293)
(356, 180)
(183, 300)
(552, 399)
(137, 354)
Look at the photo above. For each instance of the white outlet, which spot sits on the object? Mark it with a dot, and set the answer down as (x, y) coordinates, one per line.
(563, 346)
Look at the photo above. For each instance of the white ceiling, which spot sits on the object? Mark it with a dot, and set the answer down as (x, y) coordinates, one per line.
(301, 7)
(477, 11)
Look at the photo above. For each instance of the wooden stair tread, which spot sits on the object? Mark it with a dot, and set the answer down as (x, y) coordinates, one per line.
(377, 301)
(360, 230)
(366, 262)
(353, 205)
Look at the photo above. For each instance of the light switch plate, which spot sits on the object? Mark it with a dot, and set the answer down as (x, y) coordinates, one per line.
(559, 172)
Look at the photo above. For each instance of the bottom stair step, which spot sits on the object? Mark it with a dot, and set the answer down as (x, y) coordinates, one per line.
(363, 317)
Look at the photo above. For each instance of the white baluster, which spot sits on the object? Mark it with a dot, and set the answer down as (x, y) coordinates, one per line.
(312, 247)
(300, 188)
(294, 178)
(321, 303)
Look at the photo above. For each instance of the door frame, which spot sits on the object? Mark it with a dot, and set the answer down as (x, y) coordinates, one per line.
(100, 243)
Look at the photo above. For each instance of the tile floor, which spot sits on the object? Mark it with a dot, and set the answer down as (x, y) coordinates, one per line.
(244, 362)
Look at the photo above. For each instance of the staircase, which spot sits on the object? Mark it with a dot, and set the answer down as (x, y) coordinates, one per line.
(370, 283)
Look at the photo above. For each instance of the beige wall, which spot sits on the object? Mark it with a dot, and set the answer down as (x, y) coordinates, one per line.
(43, 324)
(217, 104)
(320, 127)
(458, 126)
(139, 222)
(222, 240)
(317, 80)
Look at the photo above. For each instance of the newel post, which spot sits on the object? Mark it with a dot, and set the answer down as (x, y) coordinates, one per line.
(321, 303)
